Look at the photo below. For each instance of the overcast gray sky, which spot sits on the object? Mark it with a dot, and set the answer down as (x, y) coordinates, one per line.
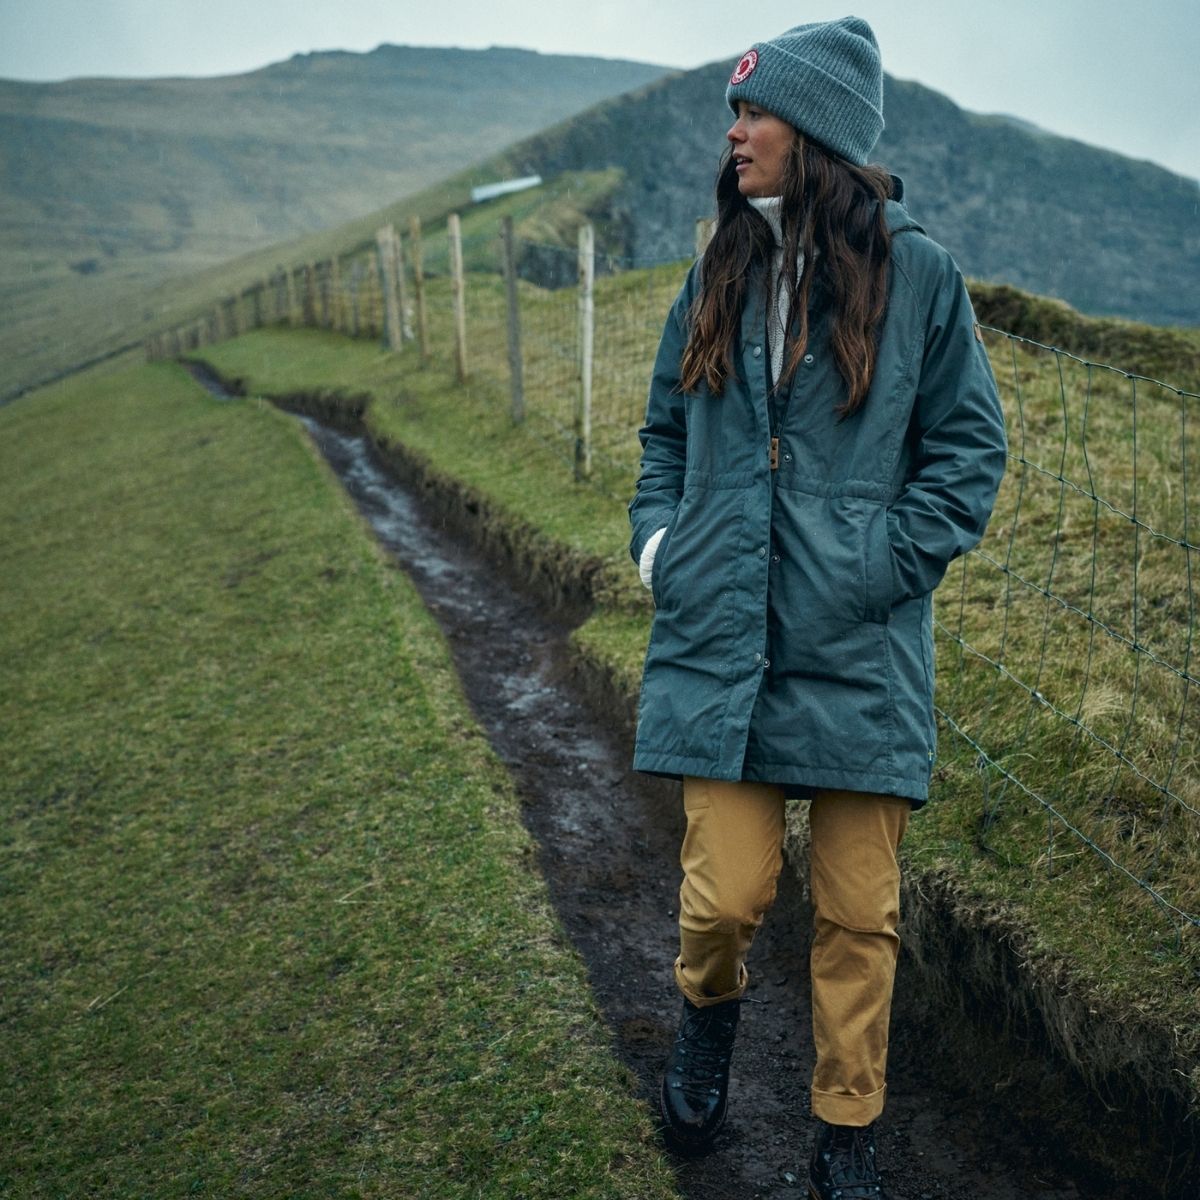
(1107, 72)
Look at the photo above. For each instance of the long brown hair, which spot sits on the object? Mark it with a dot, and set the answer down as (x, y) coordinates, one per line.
(832, 211)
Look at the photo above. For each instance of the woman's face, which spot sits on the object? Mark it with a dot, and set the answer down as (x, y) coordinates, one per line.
(760, 142)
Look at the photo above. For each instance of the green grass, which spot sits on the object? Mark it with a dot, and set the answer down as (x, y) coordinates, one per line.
(270, 924)
(1083, 441)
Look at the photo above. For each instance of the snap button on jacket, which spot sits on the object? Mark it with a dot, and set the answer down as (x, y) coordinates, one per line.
(792, 640)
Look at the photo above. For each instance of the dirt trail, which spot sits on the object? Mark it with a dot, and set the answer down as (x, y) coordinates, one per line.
(609, 847)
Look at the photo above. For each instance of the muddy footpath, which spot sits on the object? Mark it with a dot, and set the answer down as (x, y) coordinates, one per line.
(959, 1124)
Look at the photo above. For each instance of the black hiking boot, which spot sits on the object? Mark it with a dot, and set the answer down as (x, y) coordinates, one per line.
(695, 1085)
(843, 1164)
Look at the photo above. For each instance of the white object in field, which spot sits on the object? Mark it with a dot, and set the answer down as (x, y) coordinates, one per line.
(488, 190)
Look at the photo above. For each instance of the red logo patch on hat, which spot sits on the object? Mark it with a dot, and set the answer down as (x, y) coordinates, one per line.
(744, 69)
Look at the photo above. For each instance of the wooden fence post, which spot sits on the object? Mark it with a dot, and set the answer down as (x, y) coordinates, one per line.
(278, 295)
(309, 316)
(385, 250)
(336, 321)
(459, 292)
(704, 231)
(356, 272)
(515, 372)
(293, 316)
(587, 313)
(323, 294)
(418, 269)
(402, 287)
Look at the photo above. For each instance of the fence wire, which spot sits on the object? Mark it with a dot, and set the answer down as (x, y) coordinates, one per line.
(1066, 642)
(1070, 633)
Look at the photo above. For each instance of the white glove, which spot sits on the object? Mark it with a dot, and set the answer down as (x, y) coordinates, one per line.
(646, 562)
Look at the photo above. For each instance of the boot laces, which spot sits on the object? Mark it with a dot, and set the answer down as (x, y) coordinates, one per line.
(703, 1047)
(850, 1156)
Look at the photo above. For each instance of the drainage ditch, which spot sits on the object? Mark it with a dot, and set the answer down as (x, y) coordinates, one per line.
(965, 1117)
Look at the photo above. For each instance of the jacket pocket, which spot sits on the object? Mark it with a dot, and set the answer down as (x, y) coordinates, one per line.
(656, 567)
(877, 568)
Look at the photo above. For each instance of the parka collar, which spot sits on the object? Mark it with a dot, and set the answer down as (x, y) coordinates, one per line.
(894, 211)
(753, 332)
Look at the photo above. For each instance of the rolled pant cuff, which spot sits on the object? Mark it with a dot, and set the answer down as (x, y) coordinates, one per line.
(836, 1108)
(702, 1001)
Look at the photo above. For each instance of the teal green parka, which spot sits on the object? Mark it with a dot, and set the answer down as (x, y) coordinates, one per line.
(792, 640)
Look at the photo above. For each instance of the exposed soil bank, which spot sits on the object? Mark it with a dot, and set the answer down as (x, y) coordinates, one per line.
(978, 1107)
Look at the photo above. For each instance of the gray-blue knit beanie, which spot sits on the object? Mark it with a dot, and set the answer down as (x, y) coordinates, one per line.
(826, 79)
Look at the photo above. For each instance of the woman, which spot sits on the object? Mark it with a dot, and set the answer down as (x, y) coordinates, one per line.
(822, 437)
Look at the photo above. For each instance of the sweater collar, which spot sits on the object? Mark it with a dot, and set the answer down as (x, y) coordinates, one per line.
(769, 208)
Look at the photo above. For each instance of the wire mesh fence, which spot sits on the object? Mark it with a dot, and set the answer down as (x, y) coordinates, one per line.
(1066, 642)
(1068, 637)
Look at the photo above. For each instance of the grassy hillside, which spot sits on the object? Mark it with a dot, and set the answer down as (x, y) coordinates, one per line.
(1069, 775)
(268, 924)
(110, 186)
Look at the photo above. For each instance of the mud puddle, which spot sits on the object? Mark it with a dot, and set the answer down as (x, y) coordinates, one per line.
(608, 848)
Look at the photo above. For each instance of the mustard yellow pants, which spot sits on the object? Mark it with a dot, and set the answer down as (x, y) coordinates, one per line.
(731, 858)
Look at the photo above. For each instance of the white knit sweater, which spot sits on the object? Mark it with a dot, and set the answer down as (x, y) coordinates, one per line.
(777, 324)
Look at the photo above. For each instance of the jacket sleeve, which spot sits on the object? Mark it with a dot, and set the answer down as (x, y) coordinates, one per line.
(958, 440)
(663, 436)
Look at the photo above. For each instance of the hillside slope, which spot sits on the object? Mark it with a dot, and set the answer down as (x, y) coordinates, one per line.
(110, 186)
(1108, 234)
(208, 168)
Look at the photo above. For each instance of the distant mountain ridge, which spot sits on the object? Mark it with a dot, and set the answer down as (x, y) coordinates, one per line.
(114, 194)
(109, 187)
(203, 169)
(1109, 234)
